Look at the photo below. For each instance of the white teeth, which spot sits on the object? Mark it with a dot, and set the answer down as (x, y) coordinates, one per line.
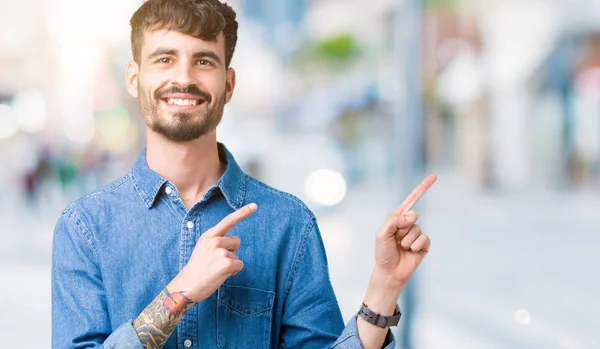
(179, 101)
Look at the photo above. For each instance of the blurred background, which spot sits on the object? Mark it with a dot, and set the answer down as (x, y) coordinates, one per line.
(346, 104)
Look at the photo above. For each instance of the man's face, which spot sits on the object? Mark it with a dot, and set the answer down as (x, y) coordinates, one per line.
(182, 84)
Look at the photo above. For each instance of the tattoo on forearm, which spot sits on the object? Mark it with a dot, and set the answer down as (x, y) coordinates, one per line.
(156, 323)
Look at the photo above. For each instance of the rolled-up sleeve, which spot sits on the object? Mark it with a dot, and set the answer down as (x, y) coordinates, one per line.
(80, 317)
(349, 338)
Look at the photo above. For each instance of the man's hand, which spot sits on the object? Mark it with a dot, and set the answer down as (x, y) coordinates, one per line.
(213, 259)
(400, 245)
(212, 262)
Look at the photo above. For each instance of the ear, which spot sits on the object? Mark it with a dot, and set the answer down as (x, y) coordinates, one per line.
(230, 84)
(131, 78)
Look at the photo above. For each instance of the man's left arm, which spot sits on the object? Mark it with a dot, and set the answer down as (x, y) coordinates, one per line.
(400, 247)
(311, 313)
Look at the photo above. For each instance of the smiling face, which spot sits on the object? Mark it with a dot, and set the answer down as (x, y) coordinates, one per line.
(182, 84)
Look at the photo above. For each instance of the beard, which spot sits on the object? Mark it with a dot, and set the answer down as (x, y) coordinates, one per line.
(180, 127)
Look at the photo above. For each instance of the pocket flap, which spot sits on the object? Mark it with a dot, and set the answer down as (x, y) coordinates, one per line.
(246, 300)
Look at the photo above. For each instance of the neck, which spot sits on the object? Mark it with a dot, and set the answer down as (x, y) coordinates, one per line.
(193, 167)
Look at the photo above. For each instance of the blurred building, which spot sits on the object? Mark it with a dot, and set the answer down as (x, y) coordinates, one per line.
(282, 22)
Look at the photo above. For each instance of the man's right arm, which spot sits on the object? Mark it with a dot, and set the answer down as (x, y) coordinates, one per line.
(156, 323)
(80, 316)
(78, 294)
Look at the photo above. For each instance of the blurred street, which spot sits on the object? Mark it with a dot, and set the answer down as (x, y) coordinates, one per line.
(344, 103)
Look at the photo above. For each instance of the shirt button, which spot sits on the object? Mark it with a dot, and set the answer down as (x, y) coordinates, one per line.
(168, 190)
(187, 343)
(190, 225)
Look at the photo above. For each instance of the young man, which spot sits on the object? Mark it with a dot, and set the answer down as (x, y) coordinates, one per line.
(187, 251)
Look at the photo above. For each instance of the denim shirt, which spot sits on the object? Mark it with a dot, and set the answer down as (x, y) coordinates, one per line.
(115, 250)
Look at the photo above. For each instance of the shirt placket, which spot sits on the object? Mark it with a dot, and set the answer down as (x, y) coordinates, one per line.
(187, 329)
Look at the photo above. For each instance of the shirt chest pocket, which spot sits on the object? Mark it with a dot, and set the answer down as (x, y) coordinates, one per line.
(244, 317)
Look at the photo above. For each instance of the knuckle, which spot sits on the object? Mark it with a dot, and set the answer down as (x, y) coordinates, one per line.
(391, 223)
(407, 242)
(402, 221)
(410, 216)
(217, 242)
(229, 264)
(401, 233)
(383, 231)
(228, 220)
(224, 265)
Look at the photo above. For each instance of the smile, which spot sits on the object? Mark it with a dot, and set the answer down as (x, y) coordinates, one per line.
(182, 102)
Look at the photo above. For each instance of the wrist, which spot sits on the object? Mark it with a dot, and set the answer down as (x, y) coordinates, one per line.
(178, 284)
(383, 293)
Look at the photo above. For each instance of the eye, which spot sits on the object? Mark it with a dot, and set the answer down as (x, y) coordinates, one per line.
(204, 62)
(164, 60)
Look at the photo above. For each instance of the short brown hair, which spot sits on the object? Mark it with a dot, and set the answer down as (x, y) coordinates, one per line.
(203, 19)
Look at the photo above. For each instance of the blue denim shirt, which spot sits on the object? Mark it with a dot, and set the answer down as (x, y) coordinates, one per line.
(116, 249)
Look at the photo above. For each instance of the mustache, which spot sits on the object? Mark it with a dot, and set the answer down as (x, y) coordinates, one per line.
(192, 89)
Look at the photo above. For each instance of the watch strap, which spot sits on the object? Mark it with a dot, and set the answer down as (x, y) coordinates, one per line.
(377, 319)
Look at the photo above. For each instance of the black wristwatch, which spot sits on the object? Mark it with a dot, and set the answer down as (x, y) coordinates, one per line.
(379, 320)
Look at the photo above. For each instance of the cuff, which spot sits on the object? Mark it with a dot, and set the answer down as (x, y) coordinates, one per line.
(349, 338)
(123, 337)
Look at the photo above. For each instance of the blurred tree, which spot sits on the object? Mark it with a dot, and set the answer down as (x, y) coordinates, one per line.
(444, 4)
(337, 48)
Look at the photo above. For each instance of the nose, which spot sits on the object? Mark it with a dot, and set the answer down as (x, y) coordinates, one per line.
(184, 76)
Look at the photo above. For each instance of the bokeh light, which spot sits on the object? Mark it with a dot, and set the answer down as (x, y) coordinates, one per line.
(31, 111)
(8, 126)
(522, 317)
(325, 187)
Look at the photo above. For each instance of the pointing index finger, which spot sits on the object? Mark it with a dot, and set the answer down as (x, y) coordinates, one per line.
(232, 219)
(415, 195)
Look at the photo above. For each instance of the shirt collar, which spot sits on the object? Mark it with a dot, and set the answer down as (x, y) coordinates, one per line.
(232, 183)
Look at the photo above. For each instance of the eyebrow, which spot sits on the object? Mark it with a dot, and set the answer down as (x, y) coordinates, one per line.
(207, 54)
(172, 52)
(162, 51)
